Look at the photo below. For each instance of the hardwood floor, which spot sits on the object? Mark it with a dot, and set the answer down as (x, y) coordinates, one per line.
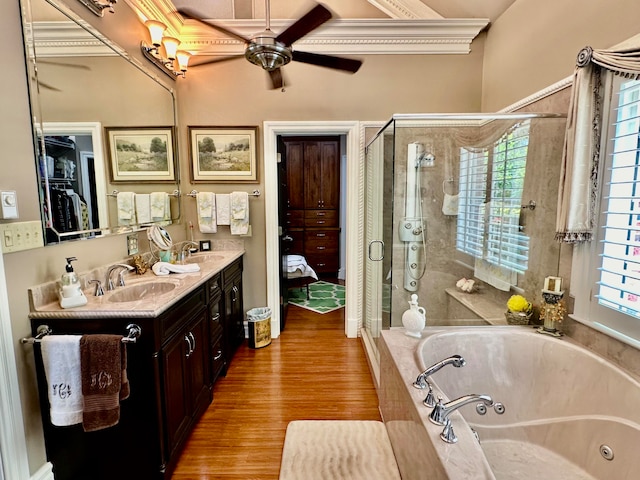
(312, 371)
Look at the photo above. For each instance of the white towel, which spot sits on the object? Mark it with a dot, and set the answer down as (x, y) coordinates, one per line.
(143, 208)
(158, 202)
(167, 207)
(206, 202)
(223, 209)
(165, 268)
(61, 361)
(239, 213)
(126, 208)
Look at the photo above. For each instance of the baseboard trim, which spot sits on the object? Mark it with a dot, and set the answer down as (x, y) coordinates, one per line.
(45, 472)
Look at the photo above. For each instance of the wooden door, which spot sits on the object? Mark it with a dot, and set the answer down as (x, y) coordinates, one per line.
(330, 175)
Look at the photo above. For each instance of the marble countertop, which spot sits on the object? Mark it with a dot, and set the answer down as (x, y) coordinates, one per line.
(43, 299)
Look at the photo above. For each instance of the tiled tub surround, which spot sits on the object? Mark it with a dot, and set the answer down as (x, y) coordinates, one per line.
(43, 299)
(562, 404)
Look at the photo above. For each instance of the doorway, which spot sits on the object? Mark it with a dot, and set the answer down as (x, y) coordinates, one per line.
(353, 237)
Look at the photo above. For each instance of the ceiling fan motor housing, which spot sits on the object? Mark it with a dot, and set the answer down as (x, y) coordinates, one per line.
(266, 52)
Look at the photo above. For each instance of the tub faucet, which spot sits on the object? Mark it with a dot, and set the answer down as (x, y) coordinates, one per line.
(440, 413)
(111, 269)
(422, 382)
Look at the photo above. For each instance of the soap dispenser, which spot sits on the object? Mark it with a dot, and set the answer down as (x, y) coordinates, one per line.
(71, 294)
(414, 319)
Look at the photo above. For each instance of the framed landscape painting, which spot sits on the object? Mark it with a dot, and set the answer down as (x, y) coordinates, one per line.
(223, 154)
(141, 154)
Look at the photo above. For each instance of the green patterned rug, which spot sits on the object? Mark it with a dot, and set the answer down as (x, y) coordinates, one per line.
(323, 297)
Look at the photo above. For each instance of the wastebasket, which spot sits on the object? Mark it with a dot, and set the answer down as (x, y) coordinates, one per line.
(259, 324)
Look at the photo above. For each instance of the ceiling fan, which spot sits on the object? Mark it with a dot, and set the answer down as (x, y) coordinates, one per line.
(273, 51)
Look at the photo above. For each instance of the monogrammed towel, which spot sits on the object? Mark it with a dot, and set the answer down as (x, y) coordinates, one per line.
(104, 380)
(61, 361)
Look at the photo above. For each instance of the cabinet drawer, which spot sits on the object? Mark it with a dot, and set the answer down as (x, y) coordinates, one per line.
(323, 263)
(232, 272)
(214, 289)
(321, 218)
(295, 218)
(321, 241)
(217, 354)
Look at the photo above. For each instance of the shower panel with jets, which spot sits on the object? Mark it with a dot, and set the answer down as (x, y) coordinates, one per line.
(418, 242)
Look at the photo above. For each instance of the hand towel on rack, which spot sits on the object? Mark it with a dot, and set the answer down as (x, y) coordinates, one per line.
(158, 202)
(239, 213)
(102, 362)
(126, 208)
(143, 208)
(206, 204)
(167, 207)
(223, 209)
(165, 268)
(61, 361)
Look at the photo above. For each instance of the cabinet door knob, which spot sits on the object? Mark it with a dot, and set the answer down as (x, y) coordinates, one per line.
(218, 355)
(320, 247)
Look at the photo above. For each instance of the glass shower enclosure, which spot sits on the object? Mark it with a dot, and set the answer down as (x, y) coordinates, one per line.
(459, 210)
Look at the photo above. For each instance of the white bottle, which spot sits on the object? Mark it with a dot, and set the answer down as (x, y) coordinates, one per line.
(414, 319)
(69, 280)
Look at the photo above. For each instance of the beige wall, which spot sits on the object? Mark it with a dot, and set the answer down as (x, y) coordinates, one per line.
(534, 44)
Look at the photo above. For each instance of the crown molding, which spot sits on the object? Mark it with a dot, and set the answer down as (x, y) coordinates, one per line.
(65, 39)
(356, 36)
(413, 9)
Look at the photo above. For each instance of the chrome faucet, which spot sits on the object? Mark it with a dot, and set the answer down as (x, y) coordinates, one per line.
(111, 269)
(422, 382)
(185, 245)
(440, 413)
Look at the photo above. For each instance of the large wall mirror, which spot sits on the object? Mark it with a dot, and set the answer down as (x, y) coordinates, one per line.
(104, 128)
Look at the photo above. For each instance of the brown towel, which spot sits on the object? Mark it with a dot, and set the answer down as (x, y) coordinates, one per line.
(104, 380)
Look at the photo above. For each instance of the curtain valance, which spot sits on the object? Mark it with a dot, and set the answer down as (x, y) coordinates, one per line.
(578, 191)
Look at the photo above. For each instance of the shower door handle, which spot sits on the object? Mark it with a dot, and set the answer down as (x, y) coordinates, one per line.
(381, 250)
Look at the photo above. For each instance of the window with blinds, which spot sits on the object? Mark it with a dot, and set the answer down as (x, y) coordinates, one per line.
(619, 283)
(490, 199)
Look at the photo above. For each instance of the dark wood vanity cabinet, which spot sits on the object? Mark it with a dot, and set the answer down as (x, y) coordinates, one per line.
(171, 369)
(187, 383)
(233, 308)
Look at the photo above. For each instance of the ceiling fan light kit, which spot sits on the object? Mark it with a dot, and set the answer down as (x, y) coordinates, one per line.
(271, 52)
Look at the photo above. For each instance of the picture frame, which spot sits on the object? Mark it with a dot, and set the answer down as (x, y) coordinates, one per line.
(141, 154)
(224, 154)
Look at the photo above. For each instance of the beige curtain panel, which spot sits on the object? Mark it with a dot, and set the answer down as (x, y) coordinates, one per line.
(578, 189)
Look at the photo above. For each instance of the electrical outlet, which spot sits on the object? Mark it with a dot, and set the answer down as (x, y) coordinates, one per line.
(21, 236)
(132, 244)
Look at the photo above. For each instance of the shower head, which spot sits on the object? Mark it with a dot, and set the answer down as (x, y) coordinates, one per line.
(427, 158)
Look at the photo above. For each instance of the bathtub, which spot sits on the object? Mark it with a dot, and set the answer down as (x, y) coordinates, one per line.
(569, 414)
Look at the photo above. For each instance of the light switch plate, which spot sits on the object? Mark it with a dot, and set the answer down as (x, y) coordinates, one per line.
(18, 236)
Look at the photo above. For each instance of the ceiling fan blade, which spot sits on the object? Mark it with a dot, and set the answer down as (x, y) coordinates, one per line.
(308, 22)
(277, 81)
(217, 60)
(46, 86)
(188, 13)
(328, 61)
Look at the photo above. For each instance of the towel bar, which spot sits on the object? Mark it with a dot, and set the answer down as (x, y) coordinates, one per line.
(194, 193)
(133, 333)
(175, 193)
